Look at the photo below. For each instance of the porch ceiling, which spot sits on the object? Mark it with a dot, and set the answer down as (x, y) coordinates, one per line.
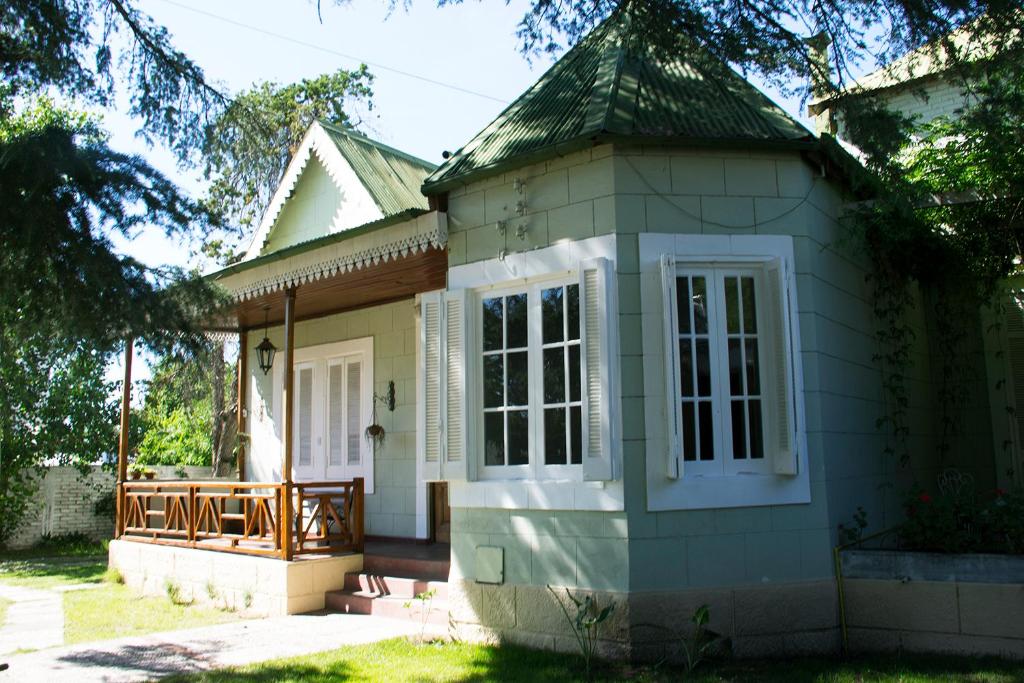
(387, 281)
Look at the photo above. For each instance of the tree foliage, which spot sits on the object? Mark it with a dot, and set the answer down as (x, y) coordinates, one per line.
(55, 406)
(248, 146)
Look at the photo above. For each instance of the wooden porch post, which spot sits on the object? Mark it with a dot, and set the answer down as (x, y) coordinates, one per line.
(243, 376)
(289, 421)
(122, 442)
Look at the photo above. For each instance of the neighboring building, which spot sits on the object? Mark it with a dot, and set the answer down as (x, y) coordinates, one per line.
(629, 340)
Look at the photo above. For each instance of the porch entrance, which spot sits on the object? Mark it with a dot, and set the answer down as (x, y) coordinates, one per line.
(441, 514)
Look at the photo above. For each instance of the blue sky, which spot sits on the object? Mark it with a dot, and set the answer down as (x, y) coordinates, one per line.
(470, 46)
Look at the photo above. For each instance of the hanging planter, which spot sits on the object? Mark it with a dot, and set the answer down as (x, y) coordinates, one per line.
(375, 432)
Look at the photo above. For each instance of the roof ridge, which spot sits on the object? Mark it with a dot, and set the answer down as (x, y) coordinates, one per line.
(360, 137)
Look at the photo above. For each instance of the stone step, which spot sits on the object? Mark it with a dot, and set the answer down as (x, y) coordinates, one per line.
(395, 586)
(410, 567)
(387, 606)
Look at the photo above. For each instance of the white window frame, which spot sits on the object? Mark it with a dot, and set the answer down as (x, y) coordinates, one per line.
(535, 469)
(544, 265)
(320, 358)
(692, 488)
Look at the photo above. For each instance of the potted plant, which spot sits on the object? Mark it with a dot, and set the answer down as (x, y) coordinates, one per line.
(135, 471)
(149, 473)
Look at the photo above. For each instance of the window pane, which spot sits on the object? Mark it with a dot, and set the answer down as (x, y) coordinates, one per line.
(689, 432)
(554, 375)
(732, 306)
(753, 369)
(703, 368)
(494, 376)
(707, 432)
(552, 314)
(700, 305)
(749, 306)
(683, 304)
(494, 438)
(518, 437)
(739, 431)
(573, 295)
(756, 437)
(515, 308)
(735, 368)
(554, 436)
(492, 324)
(574, 373)
(576, 435)
(518, 388)
(686, 366)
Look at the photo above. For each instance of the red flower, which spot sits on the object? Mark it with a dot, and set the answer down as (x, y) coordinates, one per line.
(924, 498)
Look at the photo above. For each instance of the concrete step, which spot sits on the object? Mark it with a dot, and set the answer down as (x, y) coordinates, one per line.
(388, 606)
(394, 586)
(411, 567)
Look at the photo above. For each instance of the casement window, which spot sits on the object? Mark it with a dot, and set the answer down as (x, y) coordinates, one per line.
(729, 368)
(333, 386)
(516, 378)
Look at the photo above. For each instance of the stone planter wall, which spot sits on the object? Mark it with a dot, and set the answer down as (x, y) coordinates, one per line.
(925, 602)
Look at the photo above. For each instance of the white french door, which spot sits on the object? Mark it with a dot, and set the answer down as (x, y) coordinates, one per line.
(333, 406)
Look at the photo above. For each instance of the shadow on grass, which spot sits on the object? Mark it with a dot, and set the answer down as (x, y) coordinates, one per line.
(60, 570)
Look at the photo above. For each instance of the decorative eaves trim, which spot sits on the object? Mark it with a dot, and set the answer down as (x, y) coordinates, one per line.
(363, 251)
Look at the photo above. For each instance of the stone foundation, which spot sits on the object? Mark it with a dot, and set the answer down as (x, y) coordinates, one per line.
(262, 586)
(773, 620)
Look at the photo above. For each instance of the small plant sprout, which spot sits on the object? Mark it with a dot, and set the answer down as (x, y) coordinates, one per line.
(211, 591)
(586, 623)
(425, 600)
(173, 591)
(247, 598)
(699, 643)
(854, 532)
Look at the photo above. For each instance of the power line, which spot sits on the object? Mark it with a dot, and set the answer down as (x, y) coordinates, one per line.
(313, 46)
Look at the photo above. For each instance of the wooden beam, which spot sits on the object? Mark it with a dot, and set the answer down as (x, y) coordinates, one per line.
(242, 404)
(289, 420)
(122, 442)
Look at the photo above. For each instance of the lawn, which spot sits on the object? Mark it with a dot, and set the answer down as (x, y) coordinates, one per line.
(399, 660)
(3, 611)
(114, 610)
(110, 610)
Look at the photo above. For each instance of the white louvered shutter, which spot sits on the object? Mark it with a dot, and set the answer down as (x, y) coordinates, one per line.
(455, 465)
(353, 413)
(596, 320)
(335, 419)
(429, 383)
(780, 389)
(304, 415)
(673, 428)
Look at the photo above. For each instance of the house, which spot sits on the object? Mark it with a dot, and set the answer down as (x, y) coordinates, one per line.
(618, 342)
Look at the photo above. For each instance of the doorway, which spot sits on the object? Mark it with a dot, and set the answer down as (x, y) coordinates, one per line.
(441, 514)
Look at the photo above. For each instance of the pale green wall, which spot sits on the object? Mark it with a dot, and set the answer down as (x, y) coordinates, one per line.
(310, 210)
(390, 511)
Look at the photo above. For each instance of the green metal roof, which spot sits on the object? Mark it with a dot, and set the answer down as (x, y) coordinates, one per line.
(602, 90)
(392, 178)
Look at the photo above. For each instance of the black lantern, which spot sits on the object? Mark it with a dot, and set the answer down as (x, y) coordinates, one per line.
(265, 351)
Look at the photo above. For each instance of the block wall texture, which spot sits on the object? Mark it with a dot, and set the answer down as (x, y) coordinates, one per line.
(935, 616)
(391, 509)
(65, 504)
(926, 100)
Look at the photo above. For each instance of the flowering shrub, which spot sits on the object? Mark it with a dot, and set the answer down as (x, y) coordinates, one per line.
(964, 524)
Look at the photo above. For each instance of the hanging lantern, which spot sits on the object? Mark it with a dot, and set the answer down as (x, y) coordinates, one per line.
(265, 351)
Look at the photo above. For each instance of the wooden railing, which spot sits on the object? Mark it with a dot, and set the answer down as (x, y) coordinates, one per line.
(244, 517)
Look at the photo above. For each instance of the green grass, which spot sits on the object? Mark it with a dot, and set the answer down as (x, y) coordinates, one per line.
(399, 660)
(45, 573)
(114, 610)
(3, 611)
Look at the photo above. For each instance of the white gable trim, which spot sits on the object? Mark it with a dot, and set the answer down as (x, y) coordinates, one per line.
(360, 251)
(316, 141)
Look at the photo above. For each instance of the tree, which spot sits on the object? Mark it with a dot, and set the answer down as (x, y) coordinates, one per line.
(247, 148)
(55, 406)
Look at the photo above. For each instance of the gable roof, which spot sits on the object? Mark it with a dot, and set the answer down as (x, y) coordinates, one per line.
(391, 178)
(603, 89)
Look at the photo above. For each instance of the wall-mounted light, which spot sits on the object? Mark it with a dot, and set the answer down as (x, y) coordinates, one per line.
(265, 351)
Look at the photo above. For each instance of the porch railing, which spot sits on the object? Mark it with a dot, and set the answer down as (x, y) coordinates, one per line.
(244, 517)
